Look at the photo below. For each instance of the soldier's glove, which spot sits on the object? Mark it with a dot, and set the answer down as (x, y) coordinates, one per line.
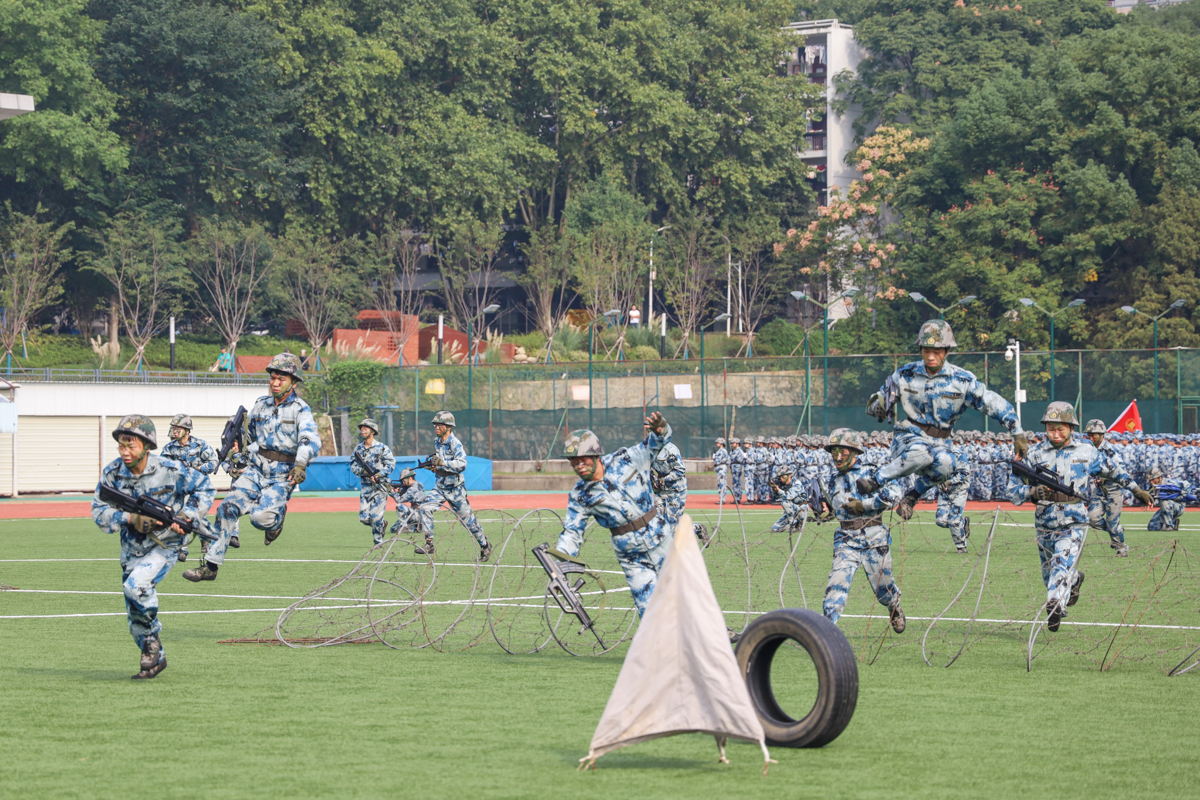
(297, 474)
(436, 461)
(1040, 494)
(1020, 446)
(1143, 495)
(855, 507)
(656, 423)
(875, 407)
(142, 524)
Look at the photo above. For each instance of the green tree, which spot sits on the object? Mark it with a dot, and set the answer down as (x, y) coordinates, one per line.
(201, 109)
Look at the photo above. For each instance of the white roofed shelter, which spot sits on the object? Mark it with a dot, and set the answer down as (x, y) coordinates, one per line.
(14, 105)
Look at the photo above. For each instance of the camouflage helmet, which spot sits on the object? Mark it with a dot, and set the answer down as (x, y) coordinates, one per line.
(1061, 411)
(286, 364)
(443, 418)
(1156, 473)
(734, 440)
(720, 440)
(139, 426)
(784, 471)
(582, 443)
(936, 333)
(370, 423)
(181, 421)
(760, 440)
(844, 437)
(1096, 426)
(407, 472)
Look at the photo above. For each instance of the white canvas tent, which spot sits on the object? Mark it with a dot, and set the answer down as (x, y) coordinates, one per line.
(680, 675)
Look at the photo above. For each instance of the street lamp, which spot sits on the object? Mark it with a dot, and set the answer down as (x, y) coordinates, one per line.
(1131, 310)
(703, 384)
(650, 290)
(825, 332)
(1013, 352)
(920, 298)
(1028, 303)
(491, 309)
(607, 316)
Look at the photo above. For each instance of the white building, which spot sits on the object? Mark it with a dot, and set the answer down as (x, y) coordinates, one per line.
(829, 48)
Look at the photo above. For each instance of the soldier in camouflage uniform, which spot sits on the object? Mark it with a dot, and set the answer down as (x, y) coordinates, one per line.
(721, 467)
(372, 497)
(1166, 518)
(762, 470)
(737, 464)
(614, 489)
(190, 450)
(1104, 509)
(951, 500)
(449, 463)
(1061, 520)
(793, 496)
(283, 439)
(862, 541)
(409, 496)
(147, 550)
(934, 395)
(668, 480)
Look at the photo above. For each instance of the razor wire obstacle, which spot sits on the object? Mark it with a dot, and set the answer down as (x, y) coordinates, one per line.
(1144, 608)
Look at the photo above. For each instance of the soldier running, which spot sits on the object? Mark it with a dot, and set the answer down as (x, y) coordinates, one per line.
(147, 550)
(934, 395)
(1104, 509)
(793, 495)
(409, 497)
(615, 490)
(862, 540)
(283, 439)
(449, 462)
(372, 497)
(1061, 520)
(1166, 518)
(190, 450)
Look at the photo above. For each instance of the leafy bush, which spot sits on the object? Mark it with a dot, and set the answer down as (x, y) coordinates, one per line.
(576, 355)
(532, 342)
(643, 352)
(779, 338)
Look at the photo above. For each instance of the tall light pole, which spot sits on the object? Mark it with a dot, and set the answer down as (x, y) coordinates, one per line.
(825, 332)
(1028, 303)
(650, 289)
(1131, 310)
(607, 315)
(920, 298)
(1013, 351)
(492, 309)
(703, 384)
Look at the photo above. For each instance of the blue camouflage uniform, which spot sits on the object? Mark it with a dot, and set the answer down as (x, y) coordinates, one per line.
(868, 548)
(451, 489)
(372, 497)
(794, 499)
(1166, 518)
(1061, 525)
(721, 466)
(262, 490)
(144, 561)
(951, 500)
(197, 454)
(1104, 509)
(737, 462)
(937, 402)
(669, 480)
(408, 508)
(762, 473)
(622, 496)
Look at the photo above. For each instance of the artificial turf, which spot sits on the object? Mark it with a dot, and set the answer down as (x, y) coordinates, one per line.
(369, 721)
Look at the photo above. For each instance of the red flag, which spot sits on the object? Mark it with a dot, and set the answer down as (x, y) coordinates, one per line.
(1129, 421)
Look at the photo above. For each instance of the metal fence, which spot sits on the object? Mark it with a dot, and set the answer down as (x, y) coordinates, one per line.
(522, 411)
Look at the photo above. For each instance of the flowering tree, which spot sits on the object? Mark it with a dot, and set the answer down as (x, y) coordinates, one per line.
(847, 244)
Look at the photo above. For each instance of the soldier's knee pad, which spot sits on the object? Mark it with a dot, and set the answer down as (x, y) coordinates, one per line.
(266, 519)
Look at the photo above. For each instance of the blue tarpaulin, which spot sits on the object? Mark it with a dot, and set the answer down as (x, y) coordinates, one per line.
(332, 474)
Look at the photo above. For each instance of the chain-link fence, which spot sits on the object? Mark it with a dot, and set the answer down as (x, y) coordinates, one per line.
(523, 411)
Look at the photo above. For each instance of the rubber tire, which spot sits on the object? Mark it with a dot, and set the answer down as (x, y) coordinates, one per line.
(837, 676)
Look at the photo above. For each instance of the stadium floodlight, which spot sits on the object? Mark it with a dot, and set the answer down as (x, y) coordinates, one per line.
(1180, 303)
(492, 309)
(1029, 303)
(799, 295)
(920, 298)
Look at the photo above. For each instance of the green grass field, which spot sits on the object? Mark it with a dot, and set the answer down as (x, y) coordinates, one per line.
(365, 720)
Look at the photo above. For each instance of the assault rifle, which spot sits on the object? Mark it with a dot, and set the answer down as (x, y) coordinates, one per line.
(820, 501)
(427, 464)
(373, 474)
(563, 592)
(154, 509)
(1041, 476)
(234, 433)
(886, 408)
